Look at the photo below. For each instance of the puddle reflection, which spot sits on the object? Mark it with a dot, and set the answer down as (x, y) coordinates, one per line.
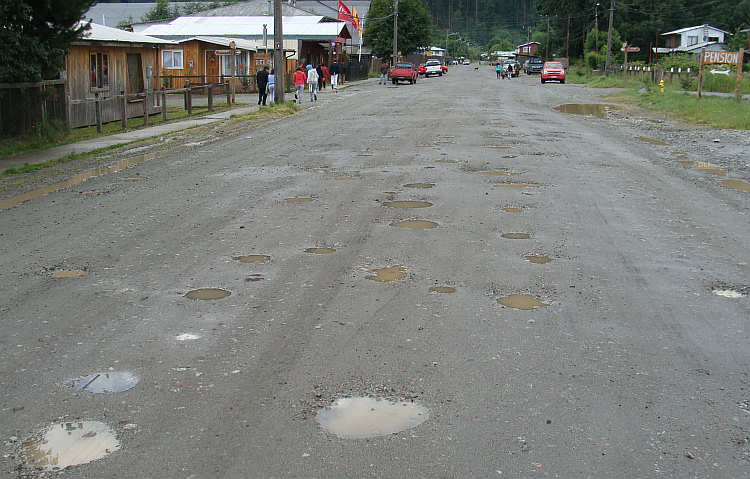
(369, 417)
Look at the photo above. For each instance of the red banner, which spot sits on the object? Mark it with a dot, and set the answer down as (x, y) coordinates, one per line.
(344, 12)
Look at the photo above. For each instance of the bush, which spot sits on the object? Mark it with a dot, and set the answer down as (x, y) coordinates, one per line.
(593, 60)
(678, 60)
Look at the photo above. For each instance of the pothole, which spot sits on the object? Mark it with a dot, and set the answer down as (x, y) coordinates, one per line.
(537, 259)
(728, 293)
(385, 275)
(598, 110)
(515, 185)
(187, 337)
(320, 250)
(301, 199)
(680, 154)
(252, 258)
(446, 161)
(740, 185)
(521, 301)
(70, 444)
(73, 273)
(100, 383)
(254, 277)
(443, 289)
(408, 204)
(415, 224)
(361, 417)
(704, 167)
(512, 209)
(516, 235)
(207, 294)
(652, 141)
(320, 170)
(419, 185)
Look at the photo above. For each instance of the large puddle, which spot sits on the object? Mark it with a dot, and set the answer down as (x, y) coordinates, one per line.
(320, 250)
(653, 141)
(388, 274)
(521, 301)
(415, 224)
(737, 185)
(598, 110)
(408, 204)
(538, 259)
(252, 258)
(74, 273)
(208, 294)
(362, 417)
(101, 383)
(704, 167)
(70, 444)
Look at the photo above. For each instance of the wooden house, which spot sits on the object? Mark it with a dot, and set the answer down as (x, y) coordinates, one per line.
(106, 62)
(692, 40)
(528, 50)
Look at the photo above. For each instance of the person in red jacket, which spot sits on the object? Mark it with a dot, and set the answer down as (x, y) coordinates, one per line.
(299, 78)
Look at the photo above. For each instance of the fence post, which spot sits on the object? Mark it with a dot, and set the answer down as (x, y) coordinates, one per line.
(98, 111)
(210, 97)
(164, 105)
(189, 99)
(145, 109)
(124, 110)
(229, 96)
(185, 94)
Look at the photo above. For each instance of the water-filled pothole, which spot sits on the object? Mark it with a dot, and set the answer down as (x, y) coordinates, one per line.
(73, 273)
(70, 444)
(538, 259)
(415, 224)
(516, 185)
(320, 250)
(521, 301)
(408, 204)
(516, 235)
(737, 185)
(704, 167)
(653, 141)
(187, 337)
(208, 293)
(598, 110)
(385, 275)
(419, 185)
(252, 258)
(101, 383)
(320, 170)
(369, 417)
(728, 293)
(512, 209)
(443, 289)
(298, 199)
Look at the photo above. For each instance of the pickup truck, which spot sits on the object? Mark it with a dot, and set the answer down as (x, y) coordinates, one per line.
(534, 66)
(403, 71)
(433, 67)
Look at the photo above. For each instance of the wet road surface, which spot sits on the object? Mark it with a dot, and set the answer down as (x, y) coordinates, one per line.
(580, 310)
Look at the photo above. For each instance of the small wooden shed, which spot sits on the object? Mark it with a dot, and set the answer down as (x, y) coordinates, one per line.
(106, 62)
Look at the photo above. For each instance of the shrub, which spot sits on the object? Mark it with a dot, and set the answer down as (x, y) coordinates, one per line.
(593, 60)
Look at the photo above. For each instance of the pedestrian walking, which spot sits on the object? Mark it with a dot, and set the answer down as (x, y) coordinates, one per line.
(312, 82)
(271, 87)
(325, 75)
(334, 71)
(262, 80)
(499, 70)
(384, 67)
(299, 79)
(319, 69)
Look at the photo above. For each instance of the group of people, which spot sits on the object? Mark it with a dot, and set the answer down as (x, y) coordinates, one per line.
(316, 77)
(266, 85)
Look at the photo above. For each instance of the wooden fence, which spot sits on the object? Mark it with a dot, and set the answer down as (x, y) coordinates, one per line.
(26, 106)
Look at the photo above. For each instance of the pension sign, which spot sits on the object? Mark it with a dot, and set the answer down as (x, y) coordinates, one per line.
(710, 58)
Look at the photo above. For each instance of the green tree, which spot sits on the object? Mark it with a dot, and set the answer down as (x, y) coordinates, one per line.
(414, 27)
(36, 35)
(161, 11)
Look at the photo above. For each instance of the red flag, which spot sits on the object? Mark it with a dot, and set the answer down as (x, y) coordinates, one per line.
(344, 13)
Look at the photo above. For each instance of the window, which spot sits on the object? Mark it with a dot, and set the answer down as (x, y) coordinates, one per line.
(713, 39)
(692, 40)
(171, 59)
(99, 71)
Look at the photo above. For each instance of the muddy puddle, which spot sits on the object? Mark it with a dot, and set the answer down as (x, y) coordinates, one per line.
(515, 185)
(737, 185)
(100, 383)
(304, 199)
(208, 294)
(419, 185)
(521, 301)
(516, 235)
(252, 258)
(408, 204)
(598, 110)
(253, 278)
(415, 224)
(652, 141)
(320, 170)
(320, 250)
(512, 209)
(728, 293)
(386, 275)
(443, 289)
(703, 167)
(680, 154)
(73, 273)
(70, 444)
(537, 259)
(361, 417)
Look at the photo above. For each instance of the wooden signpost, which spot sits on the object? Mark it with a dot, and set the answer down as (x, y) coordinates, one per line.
(724, 58)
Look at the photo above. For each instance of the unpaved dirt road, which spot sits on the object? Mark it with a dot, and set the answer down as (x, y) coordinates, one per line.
(633, 364)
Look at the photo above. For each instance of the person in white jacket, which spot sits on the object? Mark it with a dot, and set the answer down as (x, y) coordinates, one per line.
(312, 82)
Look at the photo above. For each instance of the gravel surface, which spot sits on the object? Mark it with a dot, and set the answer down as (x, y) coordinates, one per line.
(635, 366)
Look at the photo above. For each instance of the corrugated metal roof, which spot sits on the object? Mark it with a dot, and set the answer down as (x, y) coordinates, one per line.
(100, 33)
(252, 8)
(307, 27)
(697, 27)
(240, 43)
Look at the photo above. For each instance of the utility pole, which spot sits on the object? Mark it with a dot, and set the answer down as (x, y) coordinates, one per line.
(546, 47)
(567, 41)
(609, 38)
(596, 13)
(278, 53)
(395, 31)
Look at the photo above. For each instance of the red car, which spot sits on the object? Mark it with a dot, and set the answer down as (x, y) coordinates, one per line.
(444, 68)
(421, 69)
(403, 71)
(553, 71)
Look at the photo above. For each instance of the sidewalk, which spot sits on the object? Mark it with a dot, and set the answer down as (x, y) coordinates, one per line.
(120, 138)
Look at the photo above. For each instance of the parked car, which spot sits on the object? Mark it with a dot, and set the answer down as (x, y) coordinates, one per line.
(533, 65)
(467, 62)
(516, 67)
(421, 69)
(553, 71)
(444, 69)
(433, 67)
(403, 71)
